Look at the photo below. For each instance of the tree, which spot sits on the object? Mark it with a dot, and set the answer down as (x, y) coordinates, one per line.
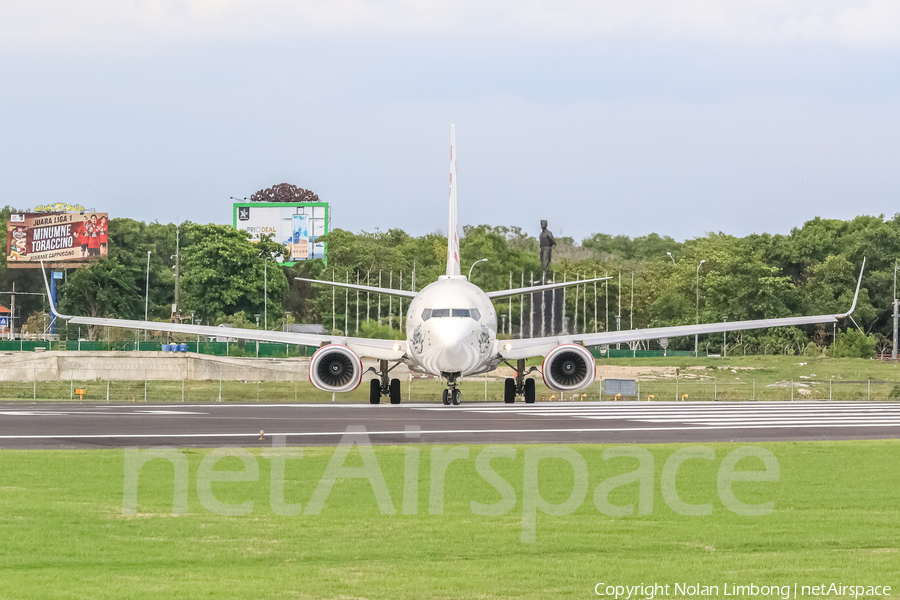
(223, 272)
(129, 242)
(104, 288)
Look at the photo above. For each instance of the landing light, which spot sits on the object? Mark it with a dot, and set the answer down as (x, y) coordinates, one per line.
(507, 346)
(396, 347)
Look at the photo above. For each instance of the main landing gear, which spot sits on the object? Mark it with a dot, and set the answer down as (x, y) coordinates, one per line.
(519, 386)
(452, 395)
(384, 386)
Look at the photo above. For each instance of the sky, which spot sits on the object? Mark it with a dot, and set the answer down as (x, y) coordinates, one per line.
(613, 116)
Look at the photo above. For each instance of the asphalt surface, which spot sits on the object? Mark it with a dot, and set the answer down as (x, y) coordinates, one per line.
(81, 425)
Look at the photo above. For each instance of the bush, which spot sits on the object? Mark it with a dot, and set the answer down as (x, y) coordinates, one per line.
(853, 344)
(236, 350)
(812, 350)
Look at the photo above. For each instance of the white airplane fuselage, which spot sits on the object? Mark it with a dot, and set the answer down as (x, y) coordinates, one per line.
(451, 328)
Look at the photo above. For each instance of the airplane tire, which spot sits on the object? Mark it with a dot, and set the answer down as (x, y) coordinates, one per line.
(509, 390)
(395, 391)
(375, 391)
(529, 391)
(456, 396)
(446, 397)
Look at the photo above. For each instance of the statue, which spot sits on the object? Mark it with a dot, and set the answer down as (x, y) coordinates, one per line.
(284, 192)
(547, 243)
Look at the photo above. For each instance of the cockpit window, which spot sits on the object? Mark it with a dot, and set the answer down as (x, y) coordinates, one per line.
(462, 313)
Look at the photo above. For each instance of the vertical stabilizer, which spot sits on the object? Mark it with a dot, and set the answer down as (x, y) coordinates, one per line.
(452, 228)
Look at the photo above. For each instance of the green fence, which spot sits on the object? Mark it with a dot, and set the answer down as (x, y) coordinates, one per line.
(27, 346)
(266, 349)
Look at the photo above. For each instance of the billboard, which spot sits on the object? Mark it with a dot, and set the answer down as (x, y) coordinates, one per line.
(76, 236)
(296, 225)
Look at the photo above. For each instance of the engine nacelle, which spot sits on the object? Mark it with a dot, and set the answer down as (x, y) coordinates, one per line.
(335, 368)
(568, 368)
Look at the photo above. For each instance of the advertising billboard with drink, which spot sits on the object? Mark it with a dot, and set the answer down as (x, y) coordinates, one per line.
(296, 225)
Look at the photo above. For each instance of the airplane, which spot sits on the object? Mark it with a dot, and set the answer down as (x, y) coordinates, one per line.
(451, 329)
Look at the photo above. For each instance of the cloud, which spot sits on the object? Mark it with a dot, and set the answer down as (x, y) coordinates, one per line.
(849, 22)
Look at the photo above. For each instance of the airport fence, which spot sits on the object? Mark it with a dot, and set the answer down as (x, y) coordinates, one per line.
(282, 385)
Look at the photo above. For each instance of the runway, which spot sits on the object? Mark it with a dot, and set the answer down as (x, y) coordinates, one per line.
(77, 425)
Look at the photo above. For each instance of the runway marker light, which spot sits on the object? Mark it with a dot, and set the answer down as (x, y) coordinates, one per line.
(616, 399)
(683, 397)
(583, 396)
(553, 397)
(262, 434)
(650, 397)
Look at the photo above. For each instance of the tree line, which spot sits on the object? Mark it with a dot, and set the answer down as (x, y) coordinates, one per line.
(811, 270)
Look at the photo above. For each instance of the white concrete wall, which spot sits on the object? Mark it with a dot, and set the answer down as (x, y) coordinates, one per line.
(63, 366)
(137, 366)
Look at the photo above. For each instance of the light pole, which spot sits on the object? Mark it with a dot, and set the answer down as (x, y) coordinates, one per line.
(266, 258)
(672, 257)
(896, 315)
(147, 293)
(257, 341)
(473, 266)
(724, 340)
(265, 293)
(696, 337)
(176, 311)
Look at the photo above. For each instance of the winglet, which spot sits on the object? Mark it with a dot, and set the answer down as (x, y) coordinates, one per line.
(856, 295)
(49, 295)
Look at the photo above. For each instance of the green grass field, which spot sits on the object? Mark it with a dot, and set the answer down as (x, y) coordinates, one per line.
(63, 533)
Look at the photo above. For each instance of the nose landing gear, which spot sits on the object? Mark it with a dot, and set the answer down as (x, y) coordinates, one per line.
(452, 395)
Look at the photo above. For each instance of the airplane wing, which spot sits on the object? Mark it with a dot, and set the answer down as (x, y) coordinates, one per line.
(527, 348)
(364, 347)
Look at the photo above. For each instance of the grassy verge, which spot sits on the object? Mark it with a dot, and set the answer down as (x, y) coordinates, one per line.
(64, 535)
(739, 378)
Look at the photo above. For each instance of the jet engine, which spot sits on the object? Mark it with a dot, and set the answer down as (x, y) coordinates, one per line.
(568, 368)
(335, 368)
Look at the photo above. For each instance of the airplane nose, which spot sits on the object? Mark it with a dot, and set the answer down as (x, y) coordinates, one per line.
(451, 336)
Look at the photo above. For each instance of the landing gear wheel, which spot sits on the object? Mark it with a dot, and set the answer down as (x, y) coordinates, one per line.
(509, 390)
(395, 391)
(374, 391)
(456, 396)
(529, 391)
(446, 397)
